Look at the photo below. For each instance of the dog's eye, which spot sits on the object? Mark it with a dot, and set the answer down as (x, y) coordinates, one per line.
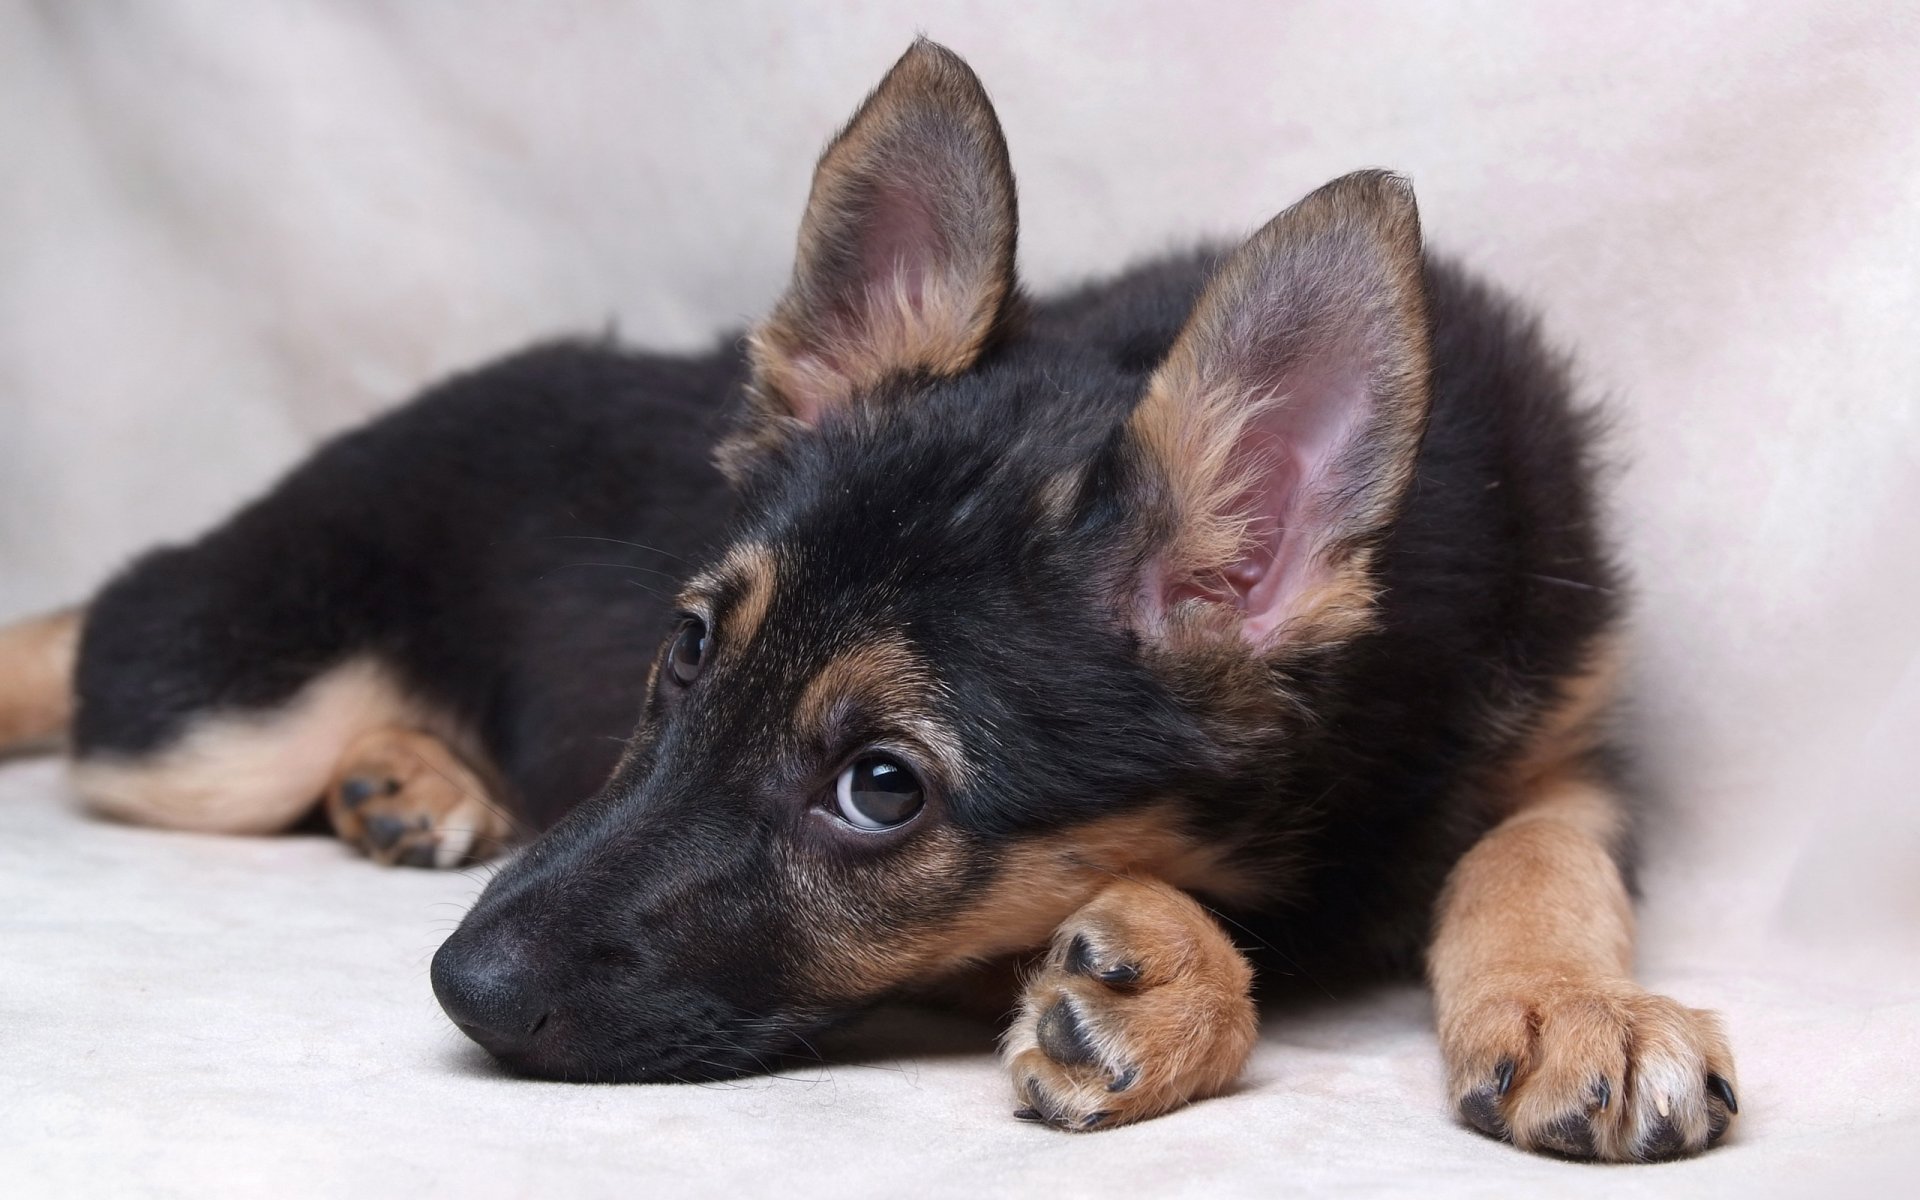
(689, 651)
(877, 793)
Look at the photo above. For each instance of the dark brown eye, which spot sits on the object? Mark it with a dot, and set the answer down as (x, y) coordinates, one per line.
(877, 792)
(689, 652)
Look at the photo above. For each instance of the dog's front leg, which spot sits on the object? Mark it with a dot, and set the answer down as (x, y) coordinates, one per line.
(1549, 1042)
(1141, 1004)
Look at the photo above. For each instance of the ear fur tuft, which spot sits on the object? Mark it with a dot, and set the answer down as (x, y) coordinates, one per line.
(1286, 420)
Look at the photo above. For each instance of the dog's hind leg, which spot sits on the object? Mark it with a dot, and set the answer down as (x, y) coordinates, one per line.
(231, 769)
(406, 798)
(236, 684)
(383, 764)
(1141, 1005)
(36, 680)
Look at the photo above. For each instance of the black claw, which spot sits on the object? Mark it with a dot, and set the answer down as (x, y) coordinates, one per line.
(1571, 1135)
(1604, 1092)
(1480, 1108)
(1093, 1120)
(1079, 956)
(1122, 974)
(1027, 1114)
(1721, 1088)
(383, 831)
(1503, 1075)
(1063, 1036)
(357, 791)
(1124, 1080)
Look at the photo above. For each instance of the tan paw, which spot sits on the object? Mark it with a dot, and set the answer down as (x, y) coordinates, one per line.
(404, 799)
(1590, 1069)
(1141, 1005)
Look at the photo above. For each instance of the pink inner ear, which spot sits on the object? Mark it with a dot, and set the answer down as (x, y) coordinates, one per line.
(1290, 456)
(899, 245)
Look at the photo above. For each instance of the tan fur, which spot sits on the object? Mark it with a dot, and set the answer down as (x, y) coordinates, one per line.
(1202, 401)
(1190, 427)
(257, 772)
(36, 679)
(1043, 880)
(748, 572)
(423, 804)
(1178, 1031)
(940, 328)
(885, 676)
(1036, 884)
(1531, 965)
(1572, 727)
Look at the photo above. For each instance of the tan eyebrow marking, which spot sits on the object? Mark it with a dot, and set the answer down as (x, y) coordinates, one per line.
(887, 676)
(747, 570)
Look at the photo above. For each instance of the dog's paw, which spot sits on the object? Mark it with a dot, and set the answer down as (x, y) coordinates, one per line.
(404, 799)
(1591, 1070)
(1141, 1005)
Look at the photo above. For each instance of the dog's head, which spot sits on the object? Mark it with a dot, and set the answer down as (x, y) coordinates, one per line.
(1015, 607)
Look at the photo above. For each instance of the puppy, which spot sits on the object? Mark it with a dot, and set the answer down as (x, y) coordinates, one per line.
(1261, 587)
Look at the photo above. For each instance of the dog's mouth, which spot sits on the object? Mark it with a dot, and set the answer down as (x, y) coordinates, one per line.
(745, 1047)
(694, 1062)
(600, 1034)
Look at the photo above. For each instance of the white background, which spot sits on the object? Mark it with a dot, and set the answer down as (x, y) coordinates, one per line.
(229, 229)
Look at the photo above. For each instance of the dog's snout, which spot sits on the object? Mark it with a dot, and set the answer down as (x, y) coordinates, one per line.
(492, 993)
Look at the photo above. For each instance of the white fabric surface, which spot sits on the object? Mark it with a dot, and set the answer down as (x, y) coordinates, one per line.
(228, 229)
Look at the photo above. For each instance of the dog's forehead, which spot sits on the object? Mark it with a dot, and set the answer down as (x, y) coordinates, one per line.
(893, 532)
(815, 625)
(903, 545)
(905, 468)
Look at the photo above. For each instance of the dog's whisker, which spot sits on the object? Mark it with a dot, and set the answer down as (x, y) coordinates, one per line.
(587, 537)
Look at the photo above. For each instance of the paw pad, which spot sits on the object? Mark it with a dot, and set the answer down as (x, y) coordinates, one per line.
(1064, 1036)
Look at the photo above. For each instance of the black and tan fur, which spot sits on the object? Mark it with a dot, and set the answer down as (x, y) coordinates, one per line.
(1266, 584)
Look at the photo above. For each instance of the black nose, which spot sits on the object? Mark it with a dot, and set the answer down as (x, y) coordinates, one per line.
(490, 990)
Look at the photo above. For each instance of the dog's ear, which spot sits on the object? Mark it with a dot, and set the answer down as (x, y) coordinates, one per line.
(905, 260)
(1285, 421)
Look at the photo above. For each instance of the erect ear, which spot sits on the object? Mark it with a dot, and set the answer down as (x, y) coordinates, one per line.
(905, 260)
(1285, 421)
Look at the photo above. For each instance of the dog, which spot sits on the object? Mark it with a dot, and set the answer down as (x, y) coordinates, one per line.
(1251, 606)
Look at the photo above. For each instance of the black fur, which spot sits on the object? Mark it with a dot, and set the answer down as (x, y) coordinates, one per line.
(936, 477)
(510, 542)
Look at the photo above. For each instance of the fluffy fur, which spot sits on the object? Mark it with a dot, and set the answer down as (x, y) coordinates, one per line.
(1266, 578)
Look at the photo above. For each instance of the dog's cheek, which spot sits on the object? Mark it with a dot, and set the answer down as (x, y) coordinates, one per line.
(874, 925)
(948, 901)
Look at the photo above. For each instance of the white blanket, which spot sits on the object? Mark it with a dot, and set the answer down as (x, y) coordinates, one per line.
(226, 230)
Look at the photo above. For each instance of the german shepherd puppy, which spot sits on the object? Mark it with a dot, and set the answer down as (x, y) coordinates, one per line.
(1262, 586)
